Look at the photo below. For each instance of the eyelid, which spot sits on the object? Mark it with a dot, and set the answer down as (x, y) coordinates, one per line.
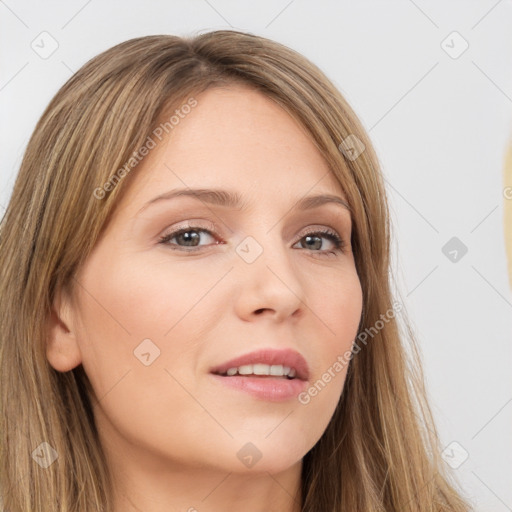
(340, 241)
(210, 226)
(192, 224)
(328, 232)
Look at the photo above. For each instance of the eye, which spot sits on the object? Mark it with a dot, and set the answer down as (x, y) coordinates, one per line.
(188, 239)
(189, 236)
(313, 240)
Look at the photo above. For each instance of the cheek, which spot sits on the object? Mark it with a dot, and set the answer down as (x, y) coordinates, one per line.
(337, 305)
(338, 309)
(178, 308)
(140, 334)
(169, 294)
(133, 301)
(145, 319)
(135, 313)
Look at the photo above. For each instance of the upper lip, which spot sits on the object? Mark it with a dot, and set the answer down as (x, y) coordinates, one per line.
(285, 357)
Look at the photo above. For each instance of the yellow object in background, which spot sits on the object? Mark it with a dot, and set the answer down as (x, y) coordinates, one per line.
(507, 194)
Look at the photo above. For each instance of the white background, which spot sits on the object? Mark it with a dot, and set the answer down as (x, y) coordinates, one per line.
(439, 125)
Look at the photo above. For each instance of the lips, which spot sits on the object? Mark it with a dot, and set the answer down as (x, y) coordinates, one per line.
(284, 357)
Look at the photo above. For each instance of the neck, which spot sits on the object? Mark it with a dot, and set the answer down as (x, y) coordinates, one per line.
(206, 490)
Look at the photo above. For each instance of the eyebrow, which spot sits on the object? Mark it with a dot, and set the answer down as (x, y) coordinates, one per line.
(233, 200)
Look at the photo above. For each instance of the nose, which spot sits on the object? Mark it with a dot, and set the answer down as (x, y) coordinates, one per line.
(269, 286)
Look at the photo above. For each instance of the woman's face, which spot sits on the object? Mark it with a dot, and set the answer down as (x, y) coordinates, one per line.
(157, 311)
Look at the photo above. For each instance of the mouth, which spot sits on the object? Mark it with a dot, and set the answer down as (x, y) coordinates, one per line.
(261, 371)
(268, 388)
(267, 374)
(266, 363)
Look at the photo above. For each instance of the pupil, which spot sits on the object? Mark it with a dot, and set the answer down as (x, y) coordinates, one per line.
(316, 239)
(190, 236)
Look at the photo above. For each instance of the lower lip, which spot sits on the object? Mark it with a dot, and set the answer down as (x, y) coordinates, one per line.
(265, 388)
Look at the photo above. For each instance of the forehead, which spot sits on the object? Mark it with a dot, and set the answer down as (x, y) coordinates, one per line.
(234, 138)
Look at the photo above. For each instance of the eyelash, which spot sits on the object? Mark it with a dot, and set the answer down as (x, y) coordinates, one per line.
(339, 242)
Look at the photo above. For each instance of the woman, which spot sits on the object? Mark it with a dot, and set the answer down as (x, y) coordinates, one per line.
(196, 306)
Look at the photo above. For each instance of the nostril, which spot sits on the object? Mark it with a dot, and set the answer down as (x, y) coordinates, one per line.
(260, 311)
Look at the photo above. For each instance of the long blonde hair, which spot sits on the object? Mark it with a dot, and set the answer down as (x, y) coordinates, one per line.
(380, 451)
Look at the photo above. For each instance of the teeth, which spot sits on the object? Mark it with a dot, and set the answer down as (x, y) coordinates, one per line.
(263, 369)
(245, 370)
(276, 369)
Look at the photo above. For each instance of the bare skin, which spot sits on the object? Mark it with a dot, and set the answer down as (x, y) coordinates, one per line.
(171, 432)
